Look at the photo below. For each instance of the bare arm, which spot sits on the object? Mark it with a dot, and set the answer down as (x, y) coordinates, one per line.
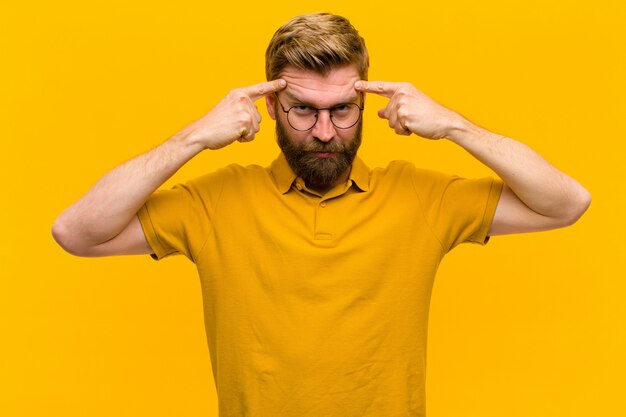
(536, 196)
(104, 222)
(89, 226)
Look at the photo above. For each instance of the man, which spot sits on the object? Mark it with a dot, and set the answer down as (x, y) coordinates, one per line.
(316, 271)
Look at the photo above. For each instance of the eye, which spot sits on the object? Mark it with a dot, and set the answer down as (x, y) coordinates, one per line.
(303, 110)
(341, 109)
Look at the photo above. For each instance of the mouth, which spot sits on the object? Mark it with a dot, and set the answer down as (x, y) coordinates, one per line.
(324, 154)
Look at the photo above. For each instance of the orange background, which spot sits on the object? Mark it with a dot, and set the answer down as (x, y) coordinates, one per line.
(531, 325)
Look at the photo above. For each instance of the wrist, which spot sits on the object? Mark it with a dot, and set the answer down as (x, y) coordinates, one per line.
(462, 130)
(187, 143)
(179, 149)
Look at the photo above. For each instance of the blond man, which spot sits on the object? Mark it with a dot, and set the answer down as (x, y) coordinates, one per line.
(316, 271)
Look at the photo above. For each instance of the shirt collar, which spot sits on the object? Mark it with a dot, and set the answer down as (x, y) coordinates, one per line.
(284, 176)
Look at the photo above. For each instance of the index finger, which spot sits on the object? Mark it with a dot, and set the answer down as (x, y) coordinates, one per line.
(257, 91)
(383, 88)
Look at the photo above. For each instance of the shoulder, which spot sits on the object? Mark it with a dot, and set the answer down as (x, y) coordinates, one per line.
(427, 183)
(231, 173)
(405, 171)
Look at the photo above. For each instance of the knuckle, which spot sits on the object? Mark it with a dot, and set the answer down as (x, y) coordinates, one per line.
(234, 92)
(238, 95)
(246, 119)
(404, 101)
(405, 89)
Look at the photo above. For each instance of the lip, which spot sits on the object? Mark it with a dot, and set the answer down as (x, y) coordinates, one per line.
(324, 154)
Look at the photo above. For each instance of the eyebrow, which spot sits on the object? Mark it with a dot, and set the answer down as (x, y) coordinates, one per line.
(295, 98)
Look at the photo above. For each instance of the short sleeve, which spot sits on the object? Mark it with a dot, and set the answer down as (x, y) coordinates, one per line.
(458, 209)
(178, 221)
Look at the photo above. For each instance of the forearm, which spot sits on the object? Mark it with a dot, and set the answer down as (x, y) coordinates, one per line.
(107, 208)
(537, 197)
(538, 184)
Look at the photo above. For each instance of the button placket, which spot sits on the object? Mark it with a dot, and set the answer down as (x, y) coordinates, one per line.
(323, 229)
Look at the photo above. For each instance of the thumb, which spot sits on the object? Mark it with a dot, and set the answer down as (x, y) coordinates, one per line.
(382, 113)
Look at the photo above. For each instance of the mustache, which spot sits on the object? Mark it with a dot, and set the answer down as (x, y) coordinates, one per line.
(318, 146)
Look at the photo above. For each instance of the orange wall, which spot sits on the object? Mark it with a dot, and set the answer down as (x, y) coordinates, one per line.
(531, 325)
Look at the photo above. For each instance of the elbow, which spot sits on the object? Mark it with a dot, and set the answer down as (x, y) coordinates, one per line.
(578, 206)
(63, 236)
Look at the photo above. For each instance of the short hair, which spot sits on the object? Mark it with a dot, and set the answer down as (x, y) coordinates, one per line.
(316, 42)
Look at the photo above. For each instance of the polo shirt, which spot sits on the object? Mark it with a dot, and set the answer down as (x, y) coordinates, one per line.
(317, 305)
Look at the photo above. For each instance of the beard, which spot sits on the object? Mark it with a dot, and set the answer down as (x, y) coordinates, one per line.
(315, 171)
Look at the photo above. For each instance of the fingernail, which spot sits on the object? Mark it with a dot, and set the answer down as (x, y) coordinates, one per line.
(282, 83)
(358, 84)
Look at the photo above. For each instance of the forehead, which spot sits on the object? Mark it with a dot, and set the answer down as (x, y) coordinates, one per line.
(322, 90)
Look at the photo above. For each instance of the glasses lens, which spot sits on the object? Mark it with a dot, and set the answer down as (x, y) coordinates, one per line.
(346, 115)
(302, 117)
(343, 116)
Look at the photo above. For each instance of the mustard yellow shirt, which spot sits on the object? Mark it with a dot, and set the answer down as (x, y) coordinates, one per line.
(318, 305)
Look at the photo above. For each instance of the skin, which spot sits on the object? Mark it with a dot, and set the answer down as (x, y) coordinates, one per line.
(104, 221)
(536, 196)
(320, 91)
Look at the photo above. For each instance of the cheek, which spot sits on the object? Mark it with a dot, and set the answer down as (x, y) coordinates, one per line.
(300, 137)
(290, 134)
(346, 135)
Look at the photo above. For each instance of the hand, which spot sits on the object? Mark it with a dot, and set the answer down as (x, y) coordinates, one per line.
(411, 111)
(235, 117)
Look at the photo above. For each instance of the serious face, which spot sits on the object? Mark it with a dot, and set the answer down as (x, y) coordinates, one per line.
(322, 155)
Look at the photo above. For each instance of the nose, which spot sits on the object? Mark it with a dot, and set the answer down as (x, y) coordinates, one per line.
(324, 129)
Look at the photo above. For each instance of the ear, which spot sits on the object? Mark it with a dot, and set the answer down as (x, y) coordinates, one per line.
(270, 102)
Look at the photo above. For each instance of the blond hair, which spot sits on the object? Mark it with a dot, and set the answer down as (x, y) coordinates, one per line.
(316, 42)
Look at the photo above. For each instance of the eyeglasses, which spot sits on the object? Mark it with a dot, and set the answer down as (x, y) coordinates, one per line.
(343, 115)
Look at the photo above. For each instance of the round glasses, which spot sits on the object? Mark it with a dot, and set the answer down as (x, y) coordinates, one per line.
(302, 117)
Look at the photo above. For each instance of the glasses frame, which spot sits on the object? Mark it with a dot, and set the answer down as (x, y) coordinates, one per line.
(317, 112)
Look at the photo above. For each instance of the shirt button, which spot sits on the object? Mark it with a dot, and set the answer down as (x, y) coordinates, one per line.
(298, 186)
(323, 204)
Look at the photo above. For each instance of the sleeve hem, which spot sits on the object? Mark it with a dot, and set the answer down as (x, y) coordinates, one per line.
(159, 252)
(481, 237)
